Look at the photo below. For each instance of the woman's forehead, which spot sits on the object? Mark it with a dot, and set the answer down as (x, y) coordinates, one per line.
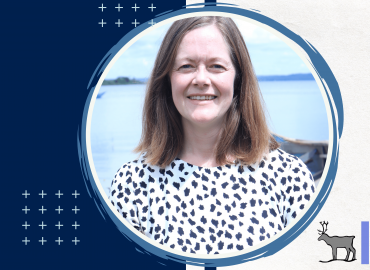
(207, 32)
(206, 41)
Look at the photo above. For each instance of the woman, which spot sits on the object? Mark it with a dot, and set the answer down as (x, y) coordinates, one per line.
(210, 178)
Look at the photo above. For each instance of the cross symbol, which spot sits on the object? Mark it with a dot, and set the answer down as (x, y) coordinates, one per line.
(58, 194)
(42, 241)
(75, 194)
(43, 225)
(119, 7)
(58, 240)
(75, 240)
(59, 225)
(26, 225)
(59, 209)
(26, 241)
(151, 22)
(102, 7)
(26, 209)
(42, 194)
(102, 23)
(42, 209)
(75, 225)
(152, 7)
(135, 23)
(75, 209)
(135, 7)
(25, 194)
(119, 23)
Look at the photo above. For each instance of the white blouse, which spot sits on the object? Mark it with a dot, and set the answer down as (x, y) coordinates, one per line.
(212, 210)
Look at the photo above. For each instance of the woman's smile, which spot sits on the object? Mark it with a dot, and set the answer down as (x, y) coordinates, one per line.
(202, 97)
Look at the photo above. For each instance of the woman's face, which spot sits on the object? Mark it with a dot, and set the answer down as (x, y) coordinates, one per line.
(202, 78)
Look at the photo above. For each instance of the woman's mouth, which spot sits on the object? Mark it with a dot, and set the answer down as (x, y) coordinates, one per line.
(202, 97)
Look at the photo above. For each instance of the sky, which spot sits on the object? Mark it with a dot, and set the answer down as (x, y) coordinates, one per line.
(269, 54)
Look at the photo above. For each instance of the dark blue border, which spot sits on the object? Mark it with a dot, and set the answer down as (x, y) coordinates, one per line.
(336, 108)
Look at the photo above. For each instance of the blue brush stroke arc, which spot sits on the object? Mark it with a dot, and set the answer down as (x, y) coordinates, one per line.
(168, 11)
(335, 106)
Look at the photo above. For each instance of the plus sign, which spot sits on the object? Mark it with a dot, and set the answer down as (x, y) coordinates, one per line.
(152, 7)
(119, 7)
(26, 209)
(135, 7)
(102, 7)
(43, 225)
(26, 225)
(119, 23)
(75, 194)
(59, 194)
(58, 240)
(25, 194)
(151, 22)
(75, 209)
(42, 209)
(26, 241)
(135, 23)
(75, 225)
(59, 209)
(42, 241)
(75, 240)
(59, 225)
(102, 23)
(42, 194)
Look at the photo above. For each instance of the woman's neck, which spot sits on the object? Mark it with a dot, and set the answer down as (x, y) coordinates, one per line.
(200, 144)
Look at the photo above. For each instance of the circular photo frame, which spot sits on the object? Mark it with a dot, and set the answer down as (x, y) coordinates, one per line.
(332, 99)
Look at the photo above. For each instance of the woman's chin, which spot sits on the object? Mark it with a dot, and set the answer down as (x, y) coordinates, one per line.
(204, 121)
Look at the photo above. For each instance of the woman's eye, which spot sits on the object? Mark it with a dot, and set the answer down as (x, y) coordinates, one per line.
(217, 67)
(185, 66)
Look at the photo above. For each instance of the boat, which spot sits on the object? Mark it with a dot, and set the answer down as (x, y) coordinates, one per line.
(100, 94)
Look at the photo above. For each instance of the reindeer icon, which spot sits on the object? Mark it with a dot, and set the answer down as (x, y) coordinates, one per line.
(337, 242)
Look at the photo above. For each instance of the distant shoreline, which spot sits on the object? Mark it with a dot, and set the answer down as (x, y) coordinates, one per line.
(122, 81)
(291, 77)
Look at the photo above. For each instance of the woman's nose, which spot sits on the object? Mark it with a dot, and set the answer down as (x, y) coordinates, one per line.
(201, 78)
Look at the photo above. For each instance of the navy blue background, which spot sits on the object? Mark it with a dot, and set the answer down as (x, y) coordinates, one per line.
(50, 50)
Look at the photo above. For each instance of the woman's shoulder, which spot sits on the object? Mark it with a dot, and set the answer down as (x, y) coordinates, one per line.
(138, 168)
(292, 164)
(283, 157)
(280, 162)
(129, 173)
(134, 165)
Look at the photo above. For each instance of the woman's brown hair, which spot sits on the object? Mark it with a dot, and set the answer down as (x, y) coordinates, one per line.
(245, 135)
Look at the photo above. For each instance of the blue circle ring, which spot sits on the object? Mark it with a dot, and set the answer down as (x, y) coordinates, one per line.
(334, 98)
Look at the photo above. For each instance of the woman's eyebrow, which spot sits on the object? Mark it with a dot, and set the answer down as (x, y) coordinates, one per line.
(220, 59)
(185, 59)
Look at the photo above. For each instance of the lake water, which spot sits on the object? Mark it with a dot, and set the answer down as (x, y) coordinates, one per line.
(295, 109)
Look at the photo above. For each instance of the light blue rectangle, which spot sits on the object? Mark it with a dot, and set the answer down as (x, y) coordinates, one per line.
(365, 242)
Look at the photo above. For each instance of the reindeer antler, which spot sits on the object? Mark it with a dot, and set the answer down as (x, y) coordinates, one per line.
(324, 229)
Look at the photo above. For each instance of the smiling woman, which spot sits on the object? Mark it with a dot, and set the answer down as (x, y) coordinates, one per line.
(202, 83)
(210, 178)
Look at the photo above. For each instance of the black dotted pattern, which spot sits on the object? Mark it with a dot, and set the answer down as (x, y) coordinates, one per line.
(212, 210)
